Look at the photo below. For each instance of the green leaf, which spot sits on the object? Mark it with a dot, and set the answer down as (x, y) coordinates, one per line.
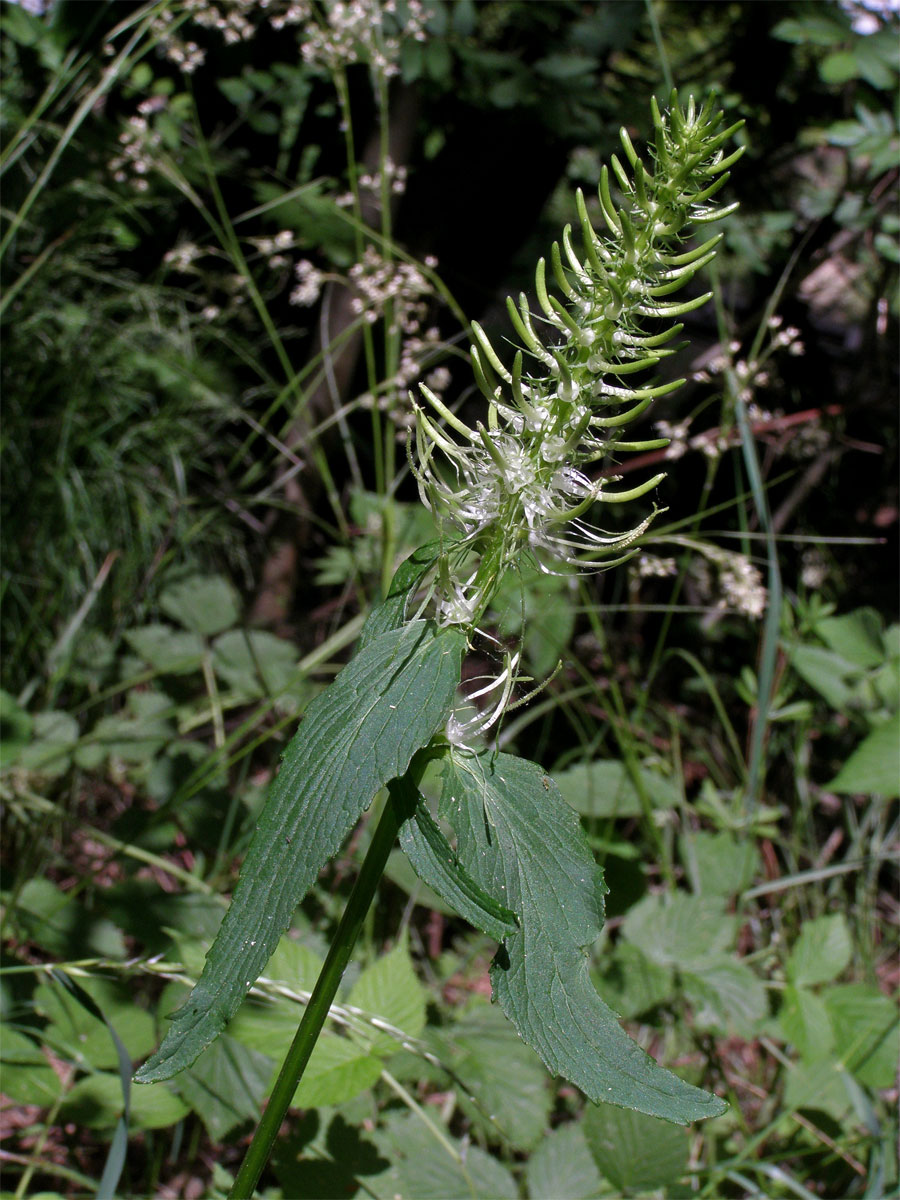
(839, 67)
(874, 766)
(678, 930)
(355, 737)
(562, 1168)
(15, 728)
(726, 996)
(55, 737)
(85, 1037)
(814, 29)
(866, 1032)
(204, 604)
(337, 1071)
(826, 672)
(600, 788)
(27, 1076)
(717, 863)
(524, 845)
(171, 651)
(818, 1086)
(256, 663)
(226, 1086)
(95, 1102)
(603, 788)
(390, 991)
(856, 637)
(633, 983)
(437, 865)
(62, 926)
(821, 952)
(427, 1169)
(505, 1079)
(805, 1023)
(634, 1151)
(392, 613)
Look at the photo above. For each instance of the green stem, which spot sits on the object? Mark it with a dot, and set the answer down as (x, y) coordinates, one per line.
(402, 792)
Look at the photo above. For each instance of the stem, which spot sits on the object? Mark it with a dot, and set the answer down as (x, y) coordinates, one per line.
(402, 793)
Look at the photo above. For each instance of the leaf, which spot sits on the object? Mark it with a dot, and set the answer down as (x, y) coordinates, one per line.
(505, 1079)
(821, 952)
(423, 1168)
(255, 663)
(390, 991)
(62, 926)
(603, 788)
(171, 651)
(726, 996)
(816, 29)
(85, 1036)
(826, 672)
(95, 1102)
(437, 865)
(866, 1032)
(678, 930)
(337, 1071)
(818, 1086)
(27, 1075)
(204, 604)
(392, 612)
(717, 863)
(524, 845)
(600, 788)
(15, 728)
(874, 766)
(633, 983)
(839, 67)
(355, 737)
(805, 1023)
(634, 1151)
(562, 1168)
(856, 637)
(55, 736)
(226, 1086)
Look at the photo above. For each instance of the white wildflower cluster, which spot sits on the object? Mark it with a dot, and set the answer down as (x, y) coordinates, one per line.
(309, 284)
(183, 256)
(233, 19)
(186, 54)
(370, 31)
(138, 144)
(379, 283)
(282, 15)
(392, 174)
(521, 484)
(741, 584)
(676, 434)
(651, 566)
(813, 568)
(726, 578)
(272, 248)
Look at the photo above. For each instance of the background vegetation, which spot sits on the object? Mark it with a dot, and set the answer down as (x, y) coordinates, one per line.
(233, 235)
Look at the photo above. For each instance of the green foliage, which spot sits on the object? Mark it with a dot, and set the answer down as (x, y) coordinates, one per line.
(355, 738)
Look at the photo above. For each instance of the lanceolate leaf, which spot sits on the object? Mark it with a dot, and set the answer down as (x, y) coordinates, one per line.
(392, 612)
(355, 737)
(437, 865)
(525, 846)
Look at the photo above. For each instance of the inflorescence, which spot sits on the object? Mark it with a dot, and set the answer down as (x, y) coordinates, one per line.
(521, 484)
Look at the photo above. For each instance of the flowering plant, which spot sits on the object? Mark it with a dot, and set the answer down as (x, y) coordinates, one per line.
(521, 868)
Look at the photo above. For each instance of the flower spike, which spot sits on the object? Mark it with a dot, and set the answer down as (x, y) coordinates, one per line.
(515, 484)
